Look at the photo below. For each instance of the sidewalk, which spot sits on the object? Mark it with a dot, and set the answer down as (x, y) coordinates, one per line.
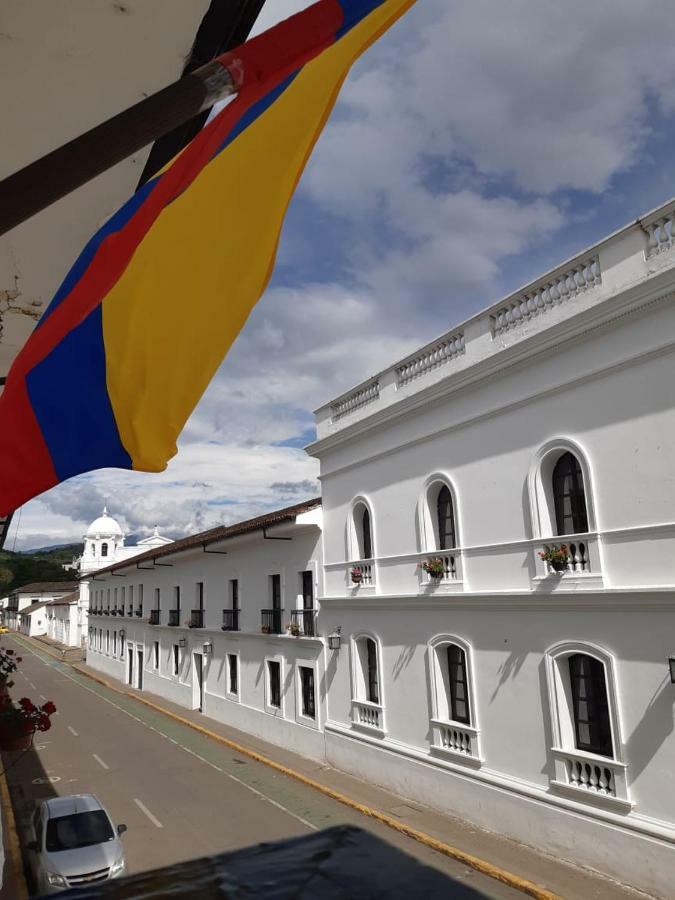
(562, 879)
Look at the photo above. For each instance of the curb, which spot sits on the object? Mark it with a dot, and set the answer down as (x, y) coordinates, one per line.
(474, 862)
(12, 846)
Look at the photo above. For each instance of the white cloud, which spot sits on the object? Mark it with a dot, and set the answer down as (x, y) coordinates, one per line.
(457, 148)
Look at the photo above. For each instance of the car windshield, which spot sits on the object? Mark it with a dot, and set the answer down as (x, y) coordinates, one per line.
(79, 830)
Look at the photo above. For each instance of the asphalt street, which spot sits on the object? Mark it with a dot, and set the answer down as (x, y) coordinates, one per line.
(181, 794)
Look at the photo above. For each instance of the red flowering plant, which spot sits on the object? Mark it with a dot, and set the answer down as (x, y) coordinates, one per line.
(434, 567)
(8, 664)
(555, 556)
(26, 718)
(356, 575)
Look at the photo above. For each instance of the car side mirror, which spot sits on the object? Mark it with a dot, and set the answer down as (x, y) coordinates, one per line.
(33, 845)
(121, 829)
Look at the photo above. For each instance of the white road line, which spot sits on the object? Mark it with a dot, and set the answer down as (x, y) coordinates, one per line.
(72, 731)
(30, 683)
(42, 697)
(186, 749)
(144, 809)
(100, 761)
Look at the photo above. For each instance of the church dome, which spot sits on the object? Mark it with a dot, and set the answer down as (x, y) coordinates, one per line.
(105, 526)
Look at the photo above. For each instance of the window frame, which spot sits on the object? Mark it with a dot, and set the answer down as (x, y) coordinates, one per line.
(540, 488)
(300, 716)
(441, 704)
(232, 695)
(563, 735)
(560, 696)
(429, 535)
(559, 495)
(355, 543)
(269, 706)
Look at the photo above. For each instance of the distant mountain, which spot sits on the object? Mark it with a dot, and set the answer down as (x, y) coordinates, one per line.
(45, 564)
(40, 550)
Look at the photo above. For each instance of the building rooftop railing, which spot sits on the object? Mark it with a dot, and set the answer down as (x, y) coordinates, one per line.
(634, 253)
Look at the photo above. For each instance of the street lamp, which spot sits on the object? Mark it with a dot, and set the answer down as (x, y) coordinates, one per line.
(122, 632)
(208, 648)
(182, 642)
(335, 639)
(671, 664)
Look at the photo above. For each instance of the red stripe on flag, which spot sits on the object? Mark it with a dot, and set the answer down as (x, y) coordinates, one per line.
(117, 250)
(26, 467)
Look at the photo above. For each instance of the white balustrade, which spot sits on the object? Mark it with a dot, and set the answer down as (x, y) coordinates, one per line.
(361, 573)
(582, 276)
(367, 715)
(453, 740)
(430, 358)
(355, 400)
(589, 776)
(597, 778)
(451, 570)
(659, 234)
(579, 556)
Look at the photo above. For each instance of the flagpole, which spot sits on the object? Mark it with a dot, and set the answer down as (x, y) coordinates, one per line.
(68, 167)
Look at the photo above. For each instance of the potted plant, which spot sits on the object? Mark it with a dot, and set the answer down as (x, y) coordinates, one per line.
(265, 629)
(555, 557)
(434, 567)
(356, 575)
(294, 629)
(19, 723)
(8, 664)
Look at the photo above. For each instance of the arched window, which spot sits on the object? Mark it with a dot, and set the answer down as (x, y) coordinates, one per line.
(459, 689)
(366, 537)
(104, 549)
(590, 709)
(373, 683)
(446, 519)
(569, 497)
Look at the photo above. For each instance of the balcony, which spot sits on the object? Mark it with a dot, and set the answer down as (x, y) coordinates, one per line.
(174, 617)
(139, 611)
(455, 741)
(271, 621)
(196, 618)
(303, 622)
(230, 620)
(368, 716)
(361, 574)
(155, 616)
(582, 563)
(130, 611)
(113, 612)
(106, 612)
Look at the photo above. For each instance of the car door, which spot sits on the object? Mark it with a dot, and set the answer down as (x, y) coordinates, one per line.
(35, 838)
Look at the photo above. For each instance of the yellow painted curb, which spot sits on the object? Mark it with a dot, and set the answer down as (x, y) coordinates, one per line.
(11, 841)
(467, 859)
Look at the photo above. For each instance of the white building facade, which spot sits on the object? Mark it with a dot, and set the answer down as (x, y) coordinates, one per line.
(529, 696)
(33, 595)
(224, 622)
(103, 545)
(63, 620)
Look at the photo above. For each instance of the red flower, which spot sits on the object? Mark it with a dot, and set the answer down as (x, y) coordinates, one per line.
(10, 652)
(49, 708)
(25, 703)
(19, 659)
(27, 727)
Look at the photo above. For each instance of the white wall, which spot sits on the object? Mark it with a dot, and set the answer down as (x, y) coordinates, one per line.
(252, 561)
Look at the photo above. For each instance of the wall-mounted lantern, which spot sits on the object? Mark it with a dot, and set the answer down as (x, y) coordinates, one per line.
(122, 632)
(208, 648)
(182, 642)
(335, 639)
(671, 664)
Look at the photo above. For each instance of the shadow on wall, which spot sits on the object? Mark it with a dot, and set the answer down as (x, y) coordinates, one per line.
(654, 727)
(509, 669)
(404, 659)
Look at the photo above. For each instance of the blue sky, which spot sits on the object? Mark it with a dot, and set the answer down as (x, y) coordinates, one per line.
(475, 146)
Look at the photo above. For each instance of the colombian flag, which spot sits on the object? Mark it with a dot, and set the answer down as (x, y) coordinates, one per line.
(143, 319)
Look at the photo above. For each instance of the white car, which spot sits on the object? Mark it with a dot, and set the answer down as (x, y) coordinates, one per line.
(74, 844)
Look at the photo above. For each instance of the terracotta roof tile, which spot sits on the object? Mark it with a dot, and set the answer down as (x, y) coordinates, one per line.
(222, 532)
